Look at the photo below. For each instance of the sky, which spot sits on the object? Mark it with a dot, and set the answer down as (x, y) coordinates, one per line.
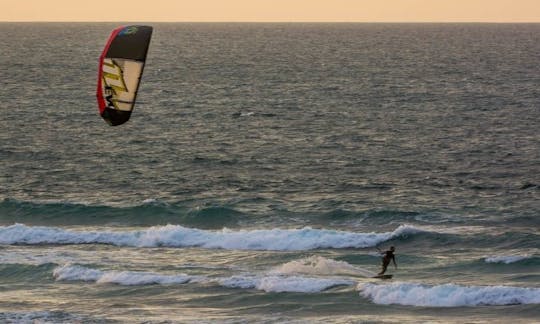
(272, 10)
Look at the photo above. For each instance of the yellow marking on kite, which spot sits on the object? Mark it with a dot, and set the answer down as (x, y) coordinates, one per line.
(113, 79)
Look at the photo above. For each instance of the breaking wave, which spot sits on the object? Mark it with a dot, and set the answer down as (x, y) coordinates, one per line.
(268, 283)
(507, 259)
(70, 272)
(318, 265)
(178, 236)
(448, 295)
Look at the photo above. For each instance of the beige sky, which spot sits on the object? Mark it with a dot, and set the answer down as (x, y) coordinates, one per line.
(272, 10)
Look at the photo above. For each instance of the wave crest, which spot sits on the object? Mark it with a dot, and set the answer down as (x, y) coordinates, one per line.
(318, 265)
(507, 259)
(448, 295)
(70, 272)
(268, 283)
(178, 236)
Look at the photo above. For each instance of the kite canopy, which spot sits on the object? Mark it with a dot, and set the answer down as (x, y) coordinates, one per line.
(121, 66)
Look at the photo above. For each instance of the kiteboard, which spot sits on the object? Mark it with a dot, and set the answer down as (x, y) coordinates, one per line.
(383, 276)
(120, 69)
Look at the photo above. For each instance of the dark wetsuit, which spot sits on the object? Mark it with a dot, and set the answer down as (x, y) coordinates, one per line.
(388, 256)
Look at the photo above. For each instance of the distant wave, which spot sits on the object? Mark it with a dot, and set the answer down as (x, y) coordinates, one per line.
(76, 272)
(152, 211)
(448, 295)
(506, 258)
(268, 283)
(45, 317)
(318, 265)
(284, 283)
(179, 236)
(26, 205)
(27, 257)
(146, 213)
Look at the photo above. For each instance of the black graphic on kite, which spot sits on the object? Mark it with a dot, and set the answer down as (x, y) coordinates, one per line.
(120, 69)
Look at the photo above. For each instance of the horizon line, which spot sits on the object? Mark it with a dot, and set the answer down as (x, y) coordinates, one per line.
(273, 21)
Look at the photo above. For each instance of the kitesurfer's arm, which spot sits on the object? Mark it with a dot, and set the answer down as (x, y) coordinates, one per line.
(394, 260)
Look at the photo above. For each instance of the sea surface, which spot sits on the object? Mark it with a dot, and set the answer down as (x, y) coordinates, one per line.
(262, 168)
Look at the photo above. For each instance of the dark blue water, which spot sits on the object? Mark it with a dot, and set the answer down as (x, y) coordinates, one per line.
(261, 167)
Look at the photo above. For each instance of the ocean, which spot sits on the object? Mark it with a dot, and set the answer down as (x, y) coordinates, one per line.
(262, 168)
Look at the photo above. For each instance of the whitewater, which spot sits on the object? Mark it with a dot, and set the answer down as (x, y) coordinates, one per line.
(265, 168)
(179, 236)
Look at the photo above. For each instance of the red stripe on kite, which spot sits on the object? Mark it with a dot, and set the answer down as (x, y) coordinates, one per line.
(99, 93)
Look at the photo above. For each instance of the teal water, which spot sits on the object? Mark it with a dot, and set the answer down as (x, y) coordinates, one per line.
(262, 167)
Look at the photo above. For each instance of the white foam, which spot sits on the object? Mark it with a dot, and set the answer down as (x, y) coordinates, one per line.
(141, 278)
(318, 265)
(506, 258)
(154, 202)
(277, 283)
(70, 272)
(448, 295)
(268, 283)
(179, 236)
(22, 234)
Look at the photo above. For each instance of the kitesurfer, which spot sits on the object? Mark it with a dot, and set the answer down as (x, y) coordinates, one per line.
(387, 257)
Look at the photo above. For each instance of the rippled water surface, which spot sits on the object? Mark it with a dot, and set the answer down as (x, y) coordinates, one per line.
(262, 167)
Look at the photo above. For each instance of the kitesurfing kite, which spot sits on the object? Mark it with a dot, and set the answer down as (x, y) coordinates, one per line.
(120, 69)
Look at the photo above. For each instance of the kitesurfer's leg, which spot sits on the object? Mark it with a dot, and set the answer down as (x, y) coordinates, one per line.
(384, 266)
